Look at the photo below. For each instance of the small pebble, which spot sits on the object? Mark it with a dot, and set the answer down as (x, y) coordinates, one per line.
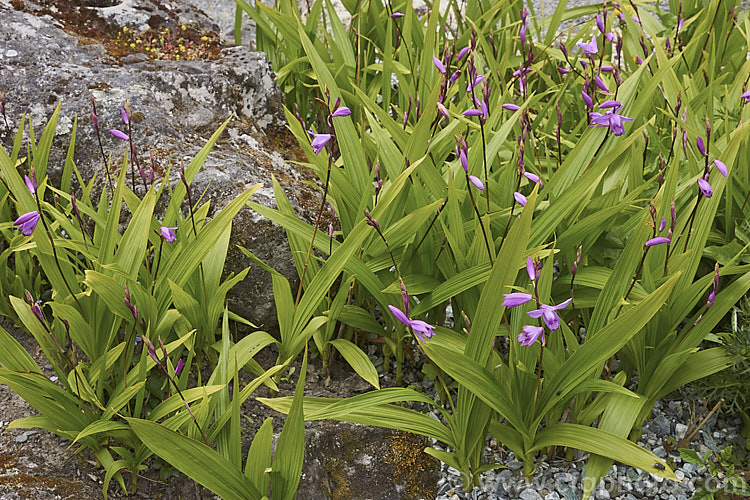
(11, 53)
(530, 494)
(680, 430)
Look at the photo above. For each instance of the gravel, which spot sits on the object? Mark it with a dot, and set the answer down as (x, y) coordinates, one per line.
(559, 479)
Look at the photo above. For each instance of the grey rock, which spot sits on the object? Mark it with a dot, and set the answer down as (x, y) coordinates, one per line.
(566, 491)
(552, 496)
(176, 105)
(661, 425)
(602, 494)
(21, 438)
(358, 461)
(680, 430)
(660, 452)
(530, 494)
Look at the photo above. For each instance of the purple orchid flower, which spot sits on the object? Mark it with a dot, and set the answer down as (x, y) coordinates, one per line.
(179, 367)
(396, 15)
(611, 119)
(745, 97)
(721, 168)
(587, 99)
(531, 269)
(530, 334)
(341, 111)
(119, 135)
(600, 83)
(533, 178)
(701, 145)
(477, 183)
(438, 64)
(30, 183)
(319, 142)
(520, 199)
(472, 112)
(516, 299)
(549, 314)
(510, 107)
(590, 48)
(657, 241)
(27, 222)
(420, 328)
(168, 234)
(705, 188)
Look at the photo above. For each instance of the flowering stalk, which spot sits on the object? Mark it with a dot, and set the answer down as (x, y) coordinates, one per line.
(99, 139)
(709, 303)
(323, 139)
(152, 353)
(32, 183)
(189, 192)
(462, 150)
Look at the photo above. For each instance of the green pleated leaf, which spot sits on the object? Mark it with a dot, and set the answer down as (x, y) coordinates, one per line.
(195, 460)
(358, 360)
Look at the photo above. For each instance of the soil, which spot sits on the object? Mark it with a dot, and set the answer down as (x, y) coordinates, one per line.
(38, 464)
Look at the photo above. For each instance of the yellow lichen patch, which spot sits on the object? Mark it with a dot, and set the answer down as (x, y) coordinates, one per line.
(182, 44)
(412, 466)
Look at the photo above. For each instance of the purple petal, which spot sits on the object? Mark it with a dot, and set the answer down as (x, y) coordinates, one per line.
(27, 222)
(721, 168)
(472, 112)
(341, 111)
(600, 23)
(396, 15)
(600, 83)
(532, 177)
(168, 234)
(477, 183)
(520, 199)
(701, 146)
(522, 34)
(179, 367)
(606, 67)
(705, 188)
(610, 104)
(124, 115)
(443, 110)
(119, 135)
(536, 313)
(464, 160)
(438, 64)
(530, 269)
(562, 70)
(462, 53)
(587, 99)
(550, 317)
(561, 305)
(657, 241)
(530, 334)
(511, 107)
(420, 326)
(516, 299)
(319, 142)
(31, 185)
(399, 315)
(663, 224)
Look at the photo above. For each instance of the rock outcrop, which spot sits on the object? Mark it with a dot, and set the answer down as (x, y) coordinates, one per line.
(46, 58)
